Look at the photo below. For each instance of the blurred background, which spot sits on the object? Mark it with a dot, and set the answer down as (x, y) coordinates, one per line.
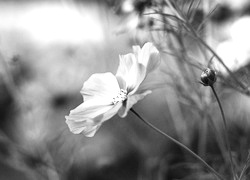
(49, 48)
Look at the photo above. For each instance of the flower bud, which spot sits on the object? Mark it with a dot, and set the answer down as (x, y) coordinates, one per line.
(208, 77)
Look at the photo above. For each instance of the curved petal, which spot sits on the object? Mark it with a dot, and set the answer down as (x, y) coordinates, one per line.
(102, 85)
(91, 108)
(88, 123)
(109, 114)
(126, 65)
(148, 56)
(98, 92)
(86, 127)
(130, 73)
(133, 99)
(86, 117)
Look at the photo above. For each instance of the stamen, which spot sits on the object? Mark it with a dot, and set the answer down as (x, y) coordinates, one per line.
(122, 96)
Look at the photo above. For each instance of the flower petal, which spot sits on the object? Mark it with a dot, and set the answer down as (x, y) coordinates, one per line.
(91, 108)
(89, 123)
(130, 73)
(98, 92)
(148, 56)
(102, 85)
(86, 117)
(87, 127)
(133, 99)
(109, 114)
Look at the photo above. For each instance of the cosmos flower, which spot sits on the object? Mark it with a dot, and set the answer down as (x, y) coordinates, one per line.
(105, 94)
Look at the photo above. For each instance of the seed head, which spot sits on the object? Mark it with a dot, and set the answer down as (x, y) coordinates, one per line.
(208, 77)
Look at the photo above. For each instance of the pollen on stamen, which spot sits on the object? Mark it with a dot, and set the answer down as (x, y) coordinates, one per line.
(122, 96)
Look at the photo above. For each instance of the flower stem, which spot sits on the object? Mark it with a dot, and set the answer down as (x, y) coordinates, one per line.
(179, 144)
(226, 131)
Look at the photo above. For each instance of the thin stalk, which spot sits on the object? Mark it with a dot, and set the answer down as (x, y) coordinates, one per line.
(179, 144)
(202, 141)
(180, 17)
(226, 131)
(173, 8)
(215, 55)
(245, 167)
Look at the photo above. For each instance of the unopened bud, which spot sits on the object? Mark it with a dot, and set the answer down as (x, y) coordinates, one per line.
(208, 77)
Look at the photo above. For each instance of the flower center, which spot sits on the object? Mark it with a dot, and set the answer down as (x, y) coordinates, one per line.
(122, 95)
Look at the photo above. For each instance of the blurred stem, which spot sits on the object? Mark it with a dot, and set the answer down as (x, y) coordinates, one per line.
(202, 141)
(245, 167)
(218, 58)
(169, 3)
(178, 16)
(226, 131)
(195, 35)
(218, 137)
(8, 79)
(182, 19)
(179, 144)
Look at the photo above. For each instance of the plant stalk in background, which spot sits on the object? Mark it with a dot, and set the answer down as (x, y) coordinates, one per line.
(208, 78)
(179, 144)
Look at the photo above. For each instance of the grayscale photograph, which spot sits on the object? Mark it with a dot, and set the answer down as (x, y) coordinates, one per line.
(125, 89)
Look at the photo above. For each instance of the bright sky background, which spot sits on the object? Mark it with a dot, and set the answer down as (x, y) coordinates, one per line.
(236, 50)
(53, 22)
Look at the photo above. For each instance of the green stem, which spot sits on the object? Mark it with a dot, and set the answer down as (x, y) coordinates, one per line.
(179, 144)
(226, 131)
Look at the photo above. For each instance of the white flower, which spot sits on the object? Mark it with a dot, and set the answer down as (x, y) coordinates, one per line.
(106, 94)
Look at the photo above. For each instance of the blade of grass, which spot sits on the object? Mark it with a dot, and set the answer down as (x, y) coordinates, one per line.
(194, 11)
(206, 18)
(189, 8)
